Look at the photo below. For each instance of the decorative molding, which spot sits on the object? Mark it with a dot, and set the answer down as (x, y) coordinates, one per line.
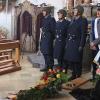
(34, 10)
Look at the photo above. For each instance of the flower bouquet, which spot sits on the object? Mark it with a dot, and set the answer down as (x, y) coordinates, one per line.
(98, 74)
(48, 86)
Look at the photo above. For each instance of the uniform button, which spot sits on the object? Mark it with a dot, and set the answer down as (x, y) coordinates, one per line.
(70, 37)
(57, 36)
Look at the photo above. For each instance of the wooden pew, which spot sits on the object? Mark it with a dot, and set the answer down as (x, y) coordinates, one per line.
(7, 63)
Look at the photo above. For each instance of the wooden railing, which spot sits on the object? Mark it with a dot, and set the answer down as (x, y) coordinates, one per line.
(7, 62)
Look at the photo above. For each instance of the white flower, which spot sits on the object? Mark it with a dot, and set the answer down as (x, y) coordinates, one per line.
(98, 71)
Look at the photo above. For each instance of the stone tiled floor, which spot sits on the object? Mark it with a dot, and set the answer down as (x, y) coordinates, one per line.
(24, 79)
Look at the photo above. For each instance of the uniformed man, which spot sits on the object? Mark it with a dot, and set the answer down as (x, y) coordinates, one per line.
(94, 39)
(47, 37)
(60, 36)
(75, 42)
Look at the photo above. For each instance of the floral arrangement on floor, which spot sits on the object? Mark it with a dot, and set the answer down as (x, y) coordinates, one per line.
(49, 85)
(98, 74)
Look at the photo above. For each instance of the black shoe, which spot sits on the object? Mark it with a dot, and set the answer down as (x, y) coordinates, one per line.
(66, 70)
(44, 70)
(78, 76)
(72, 78)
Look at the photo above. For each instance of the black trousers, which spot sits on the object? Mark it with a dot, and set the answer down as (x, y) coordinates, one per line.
(65, 65)
(76, 68)
(49, 60)
(60, 62)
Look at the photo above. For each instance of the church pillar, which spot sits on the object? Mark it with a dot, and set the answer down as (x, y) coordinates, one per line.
(87, 1)
(70, 4)
(87, 8)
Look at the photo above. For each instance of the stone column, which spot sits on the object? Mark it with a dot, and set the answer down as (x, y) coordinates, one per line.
(70, 4)
(87, 8)
(87, 1)
(78, 2)
(70, 7)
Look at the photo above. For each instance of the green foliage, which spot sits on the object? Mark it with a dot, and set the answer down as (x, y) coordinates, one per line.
(49, 90)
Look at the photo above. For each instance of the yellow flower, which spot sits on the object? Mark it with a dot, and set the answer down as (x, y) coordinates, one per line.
(42, 82)
(58, 75)
(50, 70)
(46, 82)
(49, 78)
(64, 71)
(53, 79)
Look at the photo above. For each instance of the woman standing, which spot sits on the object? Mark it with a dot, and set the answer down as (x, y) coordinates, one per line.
(75, 42)
(60, 36)
(47, 37)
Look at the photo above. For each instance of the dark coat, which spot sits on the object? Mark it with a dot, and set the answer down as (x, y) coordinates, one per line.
(60, 38)
(27, 23)
(47, 37)
(76, 38)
